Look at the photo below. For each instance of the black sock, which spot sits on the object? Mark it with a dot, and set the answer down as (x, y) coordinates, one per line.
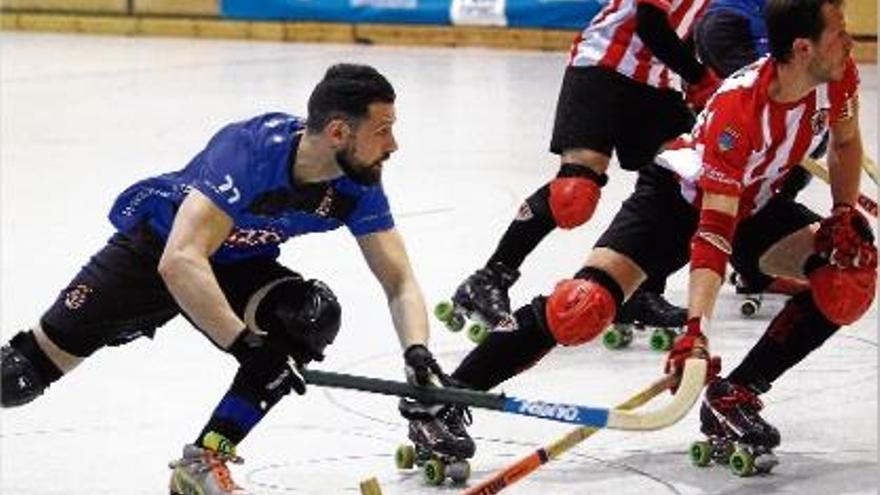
(799, 329)
(505, 354)
(532, 223)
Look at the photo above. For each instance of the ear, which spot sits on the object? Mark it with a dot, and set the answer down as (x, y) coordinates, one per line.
(337, 131)
(802, 49)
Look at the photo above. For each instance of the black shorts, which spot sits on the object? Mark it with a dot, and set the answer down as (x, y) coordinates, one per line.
(655, 224)
(601, 110)
(120, 296)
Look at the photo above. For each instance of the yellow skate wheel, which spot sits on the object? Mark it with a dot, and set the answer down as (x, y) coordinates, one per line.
(477, 332)
(459, 471)
(700, 453)
(405, 457)
(434, 472)
(742, 463)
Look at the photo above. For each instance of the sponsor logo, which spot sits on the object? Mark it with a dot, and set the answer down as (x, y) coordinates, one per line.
(240, 238)
(819, 121)
(524, 213)
(549, 410)
(77, 296)
(728, 138)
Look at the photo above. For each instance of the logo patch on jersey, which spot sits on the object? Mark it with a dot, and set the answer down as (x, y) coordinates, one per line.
(819, 121)
(524, 213)
(727, 139)
(77, 297)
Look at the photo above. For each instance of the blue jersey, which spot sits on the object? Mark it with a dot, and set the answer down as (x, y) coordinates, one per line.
(247, 171)
(753, 11)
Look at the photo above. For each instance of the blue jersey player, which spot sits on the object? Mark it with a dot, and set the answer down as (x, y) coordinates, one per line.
(203, 242)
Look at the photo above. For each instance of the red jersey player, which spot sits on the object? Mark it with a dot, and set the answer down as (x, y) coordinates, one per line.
(714, 198)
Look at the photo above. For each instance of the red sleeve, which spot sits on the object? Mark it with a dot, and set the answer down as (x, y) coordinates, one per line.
(844, 93)
(723, 135)
(664, 5)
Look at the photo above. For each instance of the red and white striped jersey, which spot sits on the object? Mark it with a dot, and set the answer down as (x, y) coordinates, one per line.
(744, 144)
(610, 40)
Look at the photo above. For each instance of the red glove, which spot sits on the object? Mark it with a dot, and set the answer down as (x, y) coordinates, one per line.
(845, 239)
(692, 344)
(698, 94)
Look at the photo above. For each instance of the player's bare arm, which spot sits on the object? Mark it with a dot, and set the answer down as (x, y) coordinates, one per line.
(198, 231)
(386, 256)
(845, 156)
(705, 283)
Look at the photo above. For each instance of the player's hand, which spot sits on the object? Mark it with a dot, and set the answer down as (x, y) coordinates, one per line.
(845, 239)
(692, 344)
(698, 94)
(265, 363)
(421, 366)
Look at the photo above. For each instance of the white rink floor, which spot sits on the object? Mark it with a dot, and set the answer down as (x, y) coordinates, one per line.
(83, 117)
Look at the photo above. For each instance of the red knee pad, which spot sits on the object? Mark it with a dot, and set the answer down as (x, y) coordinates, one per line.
(843, 295)
(573, 200)
(578, 311)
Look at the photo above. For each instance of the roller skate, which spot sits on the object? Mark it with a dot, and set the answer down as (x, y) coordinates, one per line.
(203, 470)
(753, 299)
(482, 298)
(646, 310)
(440, 446)
(736, 434)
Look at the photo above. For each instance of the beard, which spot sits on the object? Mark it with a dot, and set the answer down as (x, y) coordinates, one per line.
(365, 174)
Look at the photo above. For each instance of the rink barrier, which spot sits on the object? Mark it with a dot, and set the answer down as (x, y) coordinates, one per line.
(689, 388)
(211, 27)
(521, 468)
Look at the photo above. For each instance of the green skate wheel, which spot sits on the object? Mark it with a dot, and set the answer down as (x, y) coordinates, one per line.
(662, 339)
(742, 463)
(613, 339)
(459, 471)
(477, 332)
(700, 453)
(434, 472)
(445, 312)
(405, 457)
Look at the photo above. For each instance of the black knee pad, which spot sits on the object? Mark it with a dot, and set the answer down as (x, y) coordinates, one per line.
(303, 314)
(26, 370)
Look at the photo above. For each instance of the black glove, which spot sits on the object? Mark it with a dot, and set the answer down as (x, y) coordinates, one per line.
(265, 364)
(421, 365)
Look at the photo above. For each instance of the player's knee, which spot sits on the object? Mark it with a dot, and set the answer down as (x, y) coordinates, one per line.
(843, 296)
(579, 309)
(574, 195)
(304, 314)
(26, 370)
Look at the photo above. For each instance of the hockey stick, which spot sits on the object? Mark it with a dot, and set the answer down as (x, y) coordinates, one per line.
(598, 417)
(870, 167)
(521, 468)
(819, 170)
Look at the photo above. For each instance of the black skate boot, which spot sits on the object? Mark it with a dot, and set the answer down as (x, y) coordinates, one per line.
(441, 444)
(737, 435)
(646, 309)
(483, 298)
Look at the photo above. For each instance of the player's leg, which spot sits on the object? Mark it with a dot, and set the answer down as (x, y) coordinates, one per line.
(295, 319)
(116, 297)
(782, 238)
(638, 242)
(583, 135)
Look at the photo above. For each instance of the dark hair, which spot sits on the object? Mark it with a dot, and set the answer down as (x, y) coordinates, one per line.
(345, 92)
(788, 20)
